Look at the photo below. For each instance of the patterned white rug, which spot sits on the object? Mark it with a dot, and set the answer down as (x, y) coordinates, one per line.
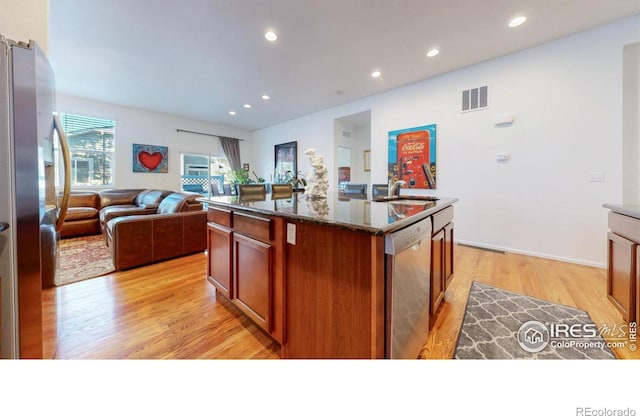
(499, 324)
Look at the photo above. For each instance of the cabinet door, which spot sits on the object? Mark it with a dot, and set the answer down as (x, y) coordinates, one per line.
(220, 246)
(437, 273)
(621, 275)
(448, 253)
(252, 279)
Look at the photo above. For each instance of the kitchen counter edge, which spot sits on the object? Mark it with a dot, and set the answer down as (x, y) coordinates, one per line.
(629, 210)
(441, 204)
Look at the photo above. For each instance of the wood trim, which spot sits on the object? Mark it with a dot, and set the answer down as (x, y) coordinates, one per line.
(436, 275)
(377, 298)
(278, 278)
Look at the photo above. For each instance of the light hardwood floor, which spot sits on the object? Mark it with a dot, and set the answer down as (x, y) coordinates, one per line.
(169, 310)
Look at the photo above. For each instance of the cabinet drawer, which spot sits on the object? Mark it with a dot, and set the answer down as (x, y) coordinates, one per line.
(220, 216)
(625, 226)
(442, 218)
(253, 226)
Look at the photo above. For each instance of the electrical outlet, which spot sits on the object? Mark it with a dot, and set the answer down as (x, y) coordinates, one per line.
(291, 234)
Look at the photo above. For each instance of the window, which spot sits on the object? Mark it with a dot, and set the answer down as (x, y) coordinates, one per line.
(91, 147)
(202, 173)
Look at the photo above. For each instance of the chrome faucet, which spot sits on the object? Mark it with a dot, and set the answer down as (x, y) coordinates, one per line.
(394, 190)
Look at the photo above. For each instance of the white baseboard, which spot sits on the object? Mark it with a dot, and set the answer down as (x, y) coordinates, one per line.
(533, 254)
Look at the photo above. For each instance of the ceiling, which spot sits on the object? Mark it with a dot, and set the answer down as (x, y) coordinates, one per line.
(202, 58)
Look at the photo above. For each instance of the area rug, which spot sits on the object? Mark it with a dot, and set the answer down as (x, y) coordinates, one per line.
(82, 258)
(499, 324)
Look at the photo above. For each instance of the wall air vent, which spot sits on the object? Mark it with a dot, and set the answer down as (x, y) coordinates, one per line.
(346, 133)
(475, 99)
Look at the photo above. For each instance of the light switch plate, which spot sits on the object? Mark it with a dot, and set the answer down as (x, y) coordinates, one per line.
(596, 177)
(291, 234)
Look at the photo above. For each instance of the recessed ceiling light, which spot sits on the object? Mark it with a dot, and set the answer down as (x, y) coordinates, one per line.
(266, 97)
(232, 113)
(517, 21)
(432, 53)
(376, 74)
(247, 106)
(271, 36)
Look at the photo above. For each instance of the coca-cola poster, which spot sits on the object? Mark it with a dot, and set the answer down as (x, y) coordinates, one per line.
(412, 157)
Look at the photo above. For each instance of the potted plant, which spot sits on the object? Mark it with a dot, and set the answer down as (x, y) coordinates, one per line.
(240, 177)
(296, 181)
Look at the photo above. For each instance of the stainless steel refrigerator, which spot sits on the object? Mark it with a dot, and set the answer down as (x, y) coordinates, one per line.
(30, 206)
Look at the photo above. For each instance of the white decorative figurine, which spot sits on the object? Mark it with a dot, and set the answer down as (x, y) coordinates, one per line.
(318, 178)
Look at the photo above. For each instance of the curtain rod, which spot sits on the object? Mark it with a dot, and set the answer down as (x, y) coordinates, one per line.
(203, 134)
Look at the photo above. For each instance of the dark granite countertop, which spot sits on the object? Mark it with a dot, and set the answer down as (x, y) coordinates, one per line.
(630, 210)
(338, 210)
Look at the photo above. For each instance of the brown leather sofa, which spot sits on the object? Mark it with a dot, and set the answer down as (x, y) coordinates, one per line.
(83, 215)
(123, 202)
(89, 210)
(178, 228)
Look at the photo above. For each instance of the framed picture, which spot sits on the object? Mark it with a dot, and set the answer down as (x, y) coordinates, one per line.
(245, 166)
(150, 158)
(286, 162)
(367, 160)
(412, 157)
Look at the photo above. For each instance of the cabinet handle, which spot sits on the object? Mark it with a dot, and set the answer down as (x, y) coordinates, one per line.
(4, 226)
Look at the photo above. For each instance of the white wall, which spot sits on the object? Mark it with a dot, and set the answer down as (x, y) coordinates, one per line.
(146, 127)
(631, 125)
(567, 97)
(24, 20)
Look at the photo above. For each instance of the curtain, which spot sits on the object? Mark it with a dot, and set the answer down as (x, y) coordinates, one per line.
(231, 148)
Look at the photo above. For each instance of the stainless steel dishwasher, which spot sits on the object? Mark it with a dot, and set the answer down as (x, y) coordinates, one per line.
(408, 259)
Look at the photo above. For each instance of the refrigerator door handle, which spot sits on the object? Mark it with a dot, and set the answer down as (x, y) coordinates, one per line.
(4, 226)
(64, 147)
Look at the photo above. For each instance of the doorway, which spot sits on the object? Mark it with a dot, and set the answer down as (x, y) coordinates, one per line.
(352, 136)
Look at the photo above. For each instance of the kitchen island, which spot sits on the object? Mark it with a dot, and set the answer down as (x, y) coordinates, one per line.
(313, 274)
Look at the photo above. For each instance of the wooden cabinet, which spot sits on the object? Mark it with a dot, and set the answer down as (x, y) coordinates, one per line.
(437, 272)
(623, 274)
(448, 253)
(220, 246)
(245, 265)
(252, 279)
(441, 258)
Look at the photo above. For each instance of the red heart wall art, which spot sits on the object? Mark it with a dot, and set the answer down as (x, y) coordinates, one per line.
(150, 160)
